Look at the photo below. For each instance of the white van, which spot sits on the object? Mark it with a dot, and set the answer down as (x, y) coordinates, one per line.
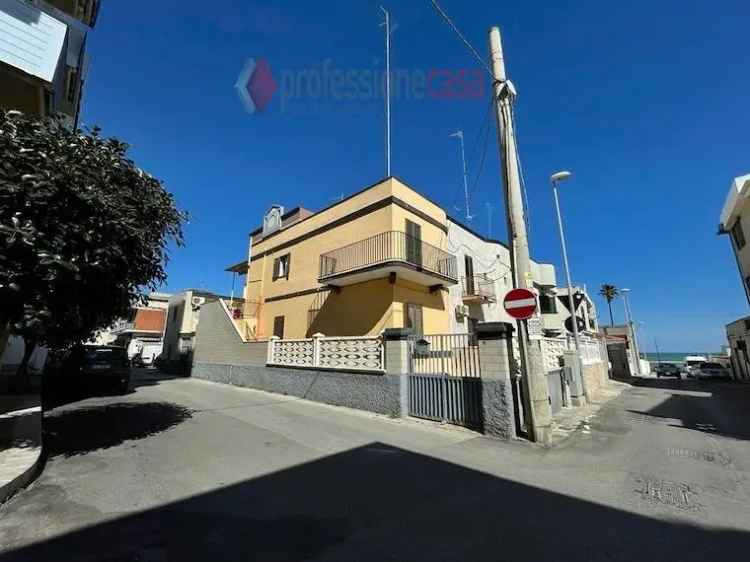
(692, 362)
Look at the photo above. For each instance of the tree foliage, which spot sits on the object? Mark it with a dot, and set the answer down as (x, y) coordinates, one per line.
(609, 292)
(83, 230)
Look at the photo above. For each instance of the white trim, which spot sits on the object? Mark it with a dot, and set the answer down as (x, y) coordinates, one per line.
(520, 303)
(231, 320)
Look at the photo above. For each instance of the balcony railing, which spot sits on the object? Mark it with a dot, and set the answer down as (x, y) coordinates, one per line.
(478, 287)
(385, 248)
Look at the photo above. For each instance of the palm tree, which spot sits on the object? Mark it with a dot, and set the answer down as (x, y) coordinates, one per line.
(610, 293)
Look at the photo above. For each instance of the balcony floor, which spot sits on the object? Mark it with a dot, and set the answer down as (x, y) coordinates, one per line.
(403, 270)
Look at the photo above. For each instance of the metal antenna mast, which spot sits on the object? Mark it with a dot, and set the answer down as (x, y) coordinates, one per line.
(460, 135)
(387, 24)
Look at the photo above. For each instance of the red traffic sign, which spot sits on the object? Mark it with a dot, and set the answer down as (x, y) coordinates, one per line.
(520, 303)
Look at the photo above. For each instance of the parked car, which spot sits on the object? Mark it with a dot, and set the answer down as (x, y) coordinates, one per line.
(668, 370)
(692, 362)
(711, 371)
(93, 367)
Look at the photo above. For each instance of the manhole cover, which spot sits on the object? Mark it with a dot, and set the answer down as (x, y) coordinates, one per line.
(679, 495)
(712, 457)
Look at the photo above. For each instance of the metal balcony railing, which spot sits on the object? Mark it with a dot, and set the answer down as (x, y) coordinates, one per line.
(478, 287)
(384, 248)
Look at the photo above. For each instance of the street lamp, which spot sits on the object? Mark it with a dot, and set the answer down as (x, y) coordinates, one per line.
(631, 324)
(555, 179)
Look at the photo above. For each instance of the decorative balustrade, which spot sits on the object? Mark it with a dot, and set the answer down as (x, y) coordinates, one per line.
(343, 353)
(388, 247)
(553, 349)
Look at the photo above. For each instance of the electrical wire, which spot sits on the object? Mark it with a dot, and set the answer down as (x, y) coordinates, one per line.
(461, 36)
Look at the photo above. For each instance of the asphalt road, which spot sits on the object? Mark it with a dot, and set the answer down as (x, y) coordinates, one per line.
(184, 470)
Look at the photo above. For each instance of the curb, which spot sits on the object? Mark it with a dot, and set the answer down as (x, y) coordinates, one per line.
(33, 461)
(8, 490)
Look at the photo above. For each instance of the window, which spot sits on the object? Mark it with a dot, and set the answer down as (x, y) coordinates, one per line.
(739, 235)
(281, 267)
(278, 326)
(413, 318)
(547, 304)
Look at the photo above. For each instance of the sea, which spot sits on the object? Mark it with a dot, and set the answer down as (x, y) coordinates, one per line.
(676, 357)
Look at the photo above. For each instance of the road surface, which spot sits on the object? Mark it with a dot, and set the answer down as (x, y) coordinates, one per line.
(183, 470)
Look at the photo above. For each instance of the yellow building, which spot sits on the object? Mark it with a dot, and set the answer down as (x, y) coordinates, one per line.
(374, 260)
(43, 61)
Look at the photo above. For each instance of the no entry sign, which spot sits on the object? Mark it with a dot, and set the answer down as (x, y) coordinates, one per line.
(520, 303)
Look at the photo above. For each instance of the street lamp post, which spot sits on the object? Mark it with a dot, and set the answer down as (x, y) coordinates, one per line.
(631, 325)
(555, 179)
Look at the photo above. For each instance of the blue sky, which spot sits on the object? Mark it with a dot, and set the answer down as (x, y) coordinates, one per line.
(646, 102)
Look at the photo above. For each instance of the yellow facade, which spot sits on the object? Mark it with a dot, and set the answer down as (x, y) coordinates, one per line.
(310, 306)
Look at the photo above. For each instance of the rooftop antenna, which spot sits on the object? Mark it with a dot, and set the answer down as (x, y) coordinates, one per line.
(388, 31)
(460, 135)
(489, 219)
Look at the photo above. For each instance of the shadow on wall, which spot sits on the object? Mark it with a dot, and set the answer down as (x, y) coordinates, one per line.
(354, 311)
(376, 503)
(86, 429)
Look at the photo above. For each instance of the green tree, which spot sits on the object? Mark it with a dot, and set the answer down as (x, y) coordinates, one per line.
(609, 292)
(83, 231)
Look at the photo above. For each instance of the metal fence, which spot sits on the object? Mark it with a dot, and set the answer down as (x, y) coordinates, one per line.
(446, 399)
(455, 355)
(355, 353)
(386, 247)
(479, 287)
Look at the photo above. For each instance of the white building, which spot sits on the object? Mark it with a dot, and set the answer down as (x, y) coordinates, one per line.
(183, 316)
(142, 332)
(485, 278)
(735, 221)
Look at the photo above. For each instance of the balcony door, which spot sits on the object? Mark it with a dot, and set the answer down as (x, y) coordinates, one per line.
(469, 270)
(413, 243)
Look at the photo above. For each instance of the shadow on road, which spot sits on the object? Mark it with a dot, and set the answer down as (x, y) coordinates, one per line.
(720, 408)
(378, 502)
(85, 429)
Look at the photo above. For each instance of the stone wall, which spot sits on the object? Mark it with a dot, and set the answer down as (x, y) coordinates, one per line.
(596, 376)
(363, 391)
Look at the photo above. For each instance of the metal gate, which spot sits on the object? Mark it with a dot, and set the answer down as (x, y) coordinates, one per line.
(445, 379)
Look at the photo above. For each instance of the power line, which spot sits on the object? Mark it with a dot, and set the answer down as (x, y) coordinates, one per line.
(461, 36)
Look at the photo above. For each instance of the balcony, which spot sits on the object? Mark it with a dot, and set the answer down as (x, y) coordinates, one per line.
(478, 289)
(387, 253)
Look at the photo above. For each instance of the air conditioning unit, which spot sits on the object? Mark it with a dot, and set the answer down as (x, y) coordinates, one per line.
(197, 301)
(462, 310)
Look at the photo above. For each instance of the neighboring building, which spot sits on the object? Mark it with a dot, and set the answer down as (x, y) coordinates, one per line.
(735, 221)
(142, 332)
(182, 318)
(621, 350)
(585, 311)
(43, 60)
(375, 260)
(483, 268)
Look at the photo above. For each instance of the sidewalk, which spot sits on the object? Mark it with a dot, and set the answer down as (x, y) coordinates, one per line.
(567, 420)
(20, 441)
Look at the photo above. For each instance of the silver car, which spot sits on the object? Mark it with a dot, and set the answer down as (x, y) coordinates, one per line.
(711, 371)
